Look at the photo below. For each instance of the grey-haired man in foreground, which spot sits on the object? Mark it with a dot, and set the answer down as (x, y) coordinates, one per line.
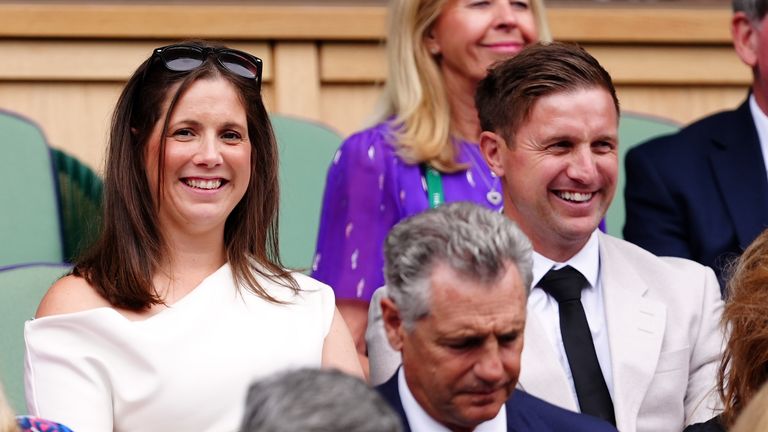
(458, 279)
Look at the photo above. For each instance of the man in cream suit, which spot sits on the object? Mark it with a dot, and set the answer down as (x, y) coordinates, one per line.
(653, 343)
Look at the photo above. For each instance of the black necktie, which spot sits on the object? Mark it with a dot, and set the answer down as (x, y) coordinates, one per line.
(565, 286)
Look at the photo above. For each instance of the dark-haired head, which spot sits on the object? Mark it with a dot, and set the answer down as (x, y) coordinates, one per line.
(505, 98)
(132, 247)
(755, 10)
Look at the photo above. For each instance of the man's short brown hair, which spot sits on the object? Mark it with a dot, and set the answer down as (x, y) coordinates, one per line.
(505, 97)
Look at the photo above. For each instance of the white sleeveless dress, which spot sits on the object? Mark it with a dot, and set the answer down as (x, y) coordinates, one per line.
(186, 368)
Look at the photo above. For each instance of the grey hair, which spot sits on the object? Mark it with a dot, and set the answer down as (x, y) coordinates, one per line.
(755, 10)
(316, 400)
(475, 242)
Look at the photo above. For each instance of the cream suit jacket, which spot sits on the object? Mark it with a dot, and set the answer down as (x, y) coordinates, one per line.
(664, 336)
(662, 316)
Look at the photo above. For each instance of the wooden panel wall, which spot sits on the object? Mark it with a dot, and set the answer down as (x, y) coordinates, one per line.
(63, 65)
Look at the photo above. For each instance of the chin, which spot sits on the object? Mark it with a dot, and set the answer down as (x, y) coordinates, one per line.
(473, 416)
(206, 220)
(482, 408)
(580, 227)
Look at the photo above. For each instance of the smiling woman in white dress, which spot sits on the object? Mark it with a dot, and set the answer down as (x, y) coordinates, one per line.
(182, 303)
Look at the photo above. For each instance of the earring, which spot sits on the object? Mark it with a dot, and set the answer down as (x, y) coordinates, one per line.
(434, 50)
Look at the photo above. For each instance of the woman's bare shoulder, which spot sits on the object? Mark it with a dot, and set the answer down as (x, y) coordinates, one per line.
(70, 294)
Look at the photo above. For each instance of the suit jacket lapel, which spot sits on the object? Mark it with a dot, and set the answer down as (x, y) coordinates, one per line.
(635, 331)
(737, 166)
(541, 373)
(391, 393)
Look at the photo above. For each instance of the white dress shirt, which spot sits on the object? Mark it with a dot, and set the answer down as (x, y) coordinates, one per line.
(761, 124)
(546, 309)
(420, 421)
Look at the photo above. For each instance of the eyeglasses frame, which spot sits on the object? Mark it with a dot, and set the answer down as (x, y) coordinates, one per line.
(215, 51)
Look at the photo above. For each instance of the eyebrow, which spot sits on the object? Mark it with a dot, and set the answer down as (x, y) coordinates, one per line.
(195, 123)
(571, 138)
(607, 138)
(464, 332)
(233, 125)
(558, 138)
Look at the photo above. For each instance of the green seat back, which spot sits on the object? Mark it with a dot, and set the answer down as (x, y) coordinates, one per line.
(634, 129)
(29, 220)
(306, 151)
(80, 192)
(21, 289)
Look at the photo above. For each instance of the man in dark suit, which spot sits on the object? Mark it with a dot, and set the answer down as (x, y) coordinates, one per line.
(457, 280)
(702, 193)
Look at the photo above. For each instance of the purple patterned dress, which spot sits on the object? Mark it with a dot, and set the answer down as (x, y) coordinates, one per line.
(368, 190)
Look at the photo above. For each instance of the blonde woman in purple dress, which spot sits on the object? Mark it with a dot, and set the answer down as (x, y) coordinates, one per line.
(423, 150)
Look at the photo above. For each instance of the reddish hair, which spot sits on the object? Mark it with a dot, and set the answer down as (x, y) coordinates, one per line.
(744, 367)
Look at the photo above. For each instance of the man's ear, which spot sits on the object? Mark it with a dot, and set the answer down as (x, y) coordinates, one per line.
(493, 146)
(393, 324)
(745, 38)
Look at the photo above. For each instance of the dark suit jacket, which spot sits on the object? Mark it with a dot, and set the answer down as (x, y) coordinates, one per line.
(712, 425)
(701, 193)
(524, 413)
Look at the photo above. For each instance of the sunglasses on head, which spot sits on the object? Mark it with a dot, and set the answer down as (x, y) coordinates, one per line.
(184, 58)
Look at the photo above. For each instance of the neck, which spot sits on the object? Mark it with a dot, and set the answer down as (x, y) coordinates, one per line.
(424, 403)
(191, 258)
(551, 245)
(561, 252)
(461, 98)
(761, 95)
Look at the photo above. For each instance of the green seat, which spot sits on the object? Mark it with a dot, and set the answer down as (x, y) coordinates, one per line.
(634, 128)
(21, 289)
(80, 191)
(29, 224)
(306, 150)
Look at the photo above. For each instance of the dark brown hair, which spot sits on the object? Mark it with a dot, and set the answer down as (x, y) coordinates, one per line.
(131, 246)
(754, 9)
(744, 367)
(505, 97)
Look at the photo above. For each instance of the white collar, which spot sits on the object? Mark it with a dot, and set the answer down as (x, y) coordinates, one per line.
(761, 124)
(420, 421)
(586, 261)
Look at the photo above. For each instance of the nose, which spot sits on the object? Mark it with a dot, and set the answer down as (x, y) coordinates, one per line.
(208, 153)
(506, 15)
(490, 368)
(582, 166)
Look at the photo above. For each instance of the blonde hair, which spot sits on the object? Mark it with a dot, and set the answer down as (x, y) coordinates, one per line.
(7, 417)
(414, 93)
(754, 418)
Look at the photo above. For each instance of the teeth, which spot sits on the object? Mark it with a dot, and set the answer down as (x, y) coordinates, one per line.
(203, 184)
(575, 196)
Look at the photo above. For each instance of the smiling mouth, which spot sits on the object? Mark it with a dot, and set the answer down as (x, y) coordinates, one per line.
(577, 197)
(204, 184)
(509, 44)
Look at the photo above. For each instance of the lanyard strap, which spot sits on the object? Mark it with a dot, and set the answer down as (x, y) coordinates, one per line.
(434, 186)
